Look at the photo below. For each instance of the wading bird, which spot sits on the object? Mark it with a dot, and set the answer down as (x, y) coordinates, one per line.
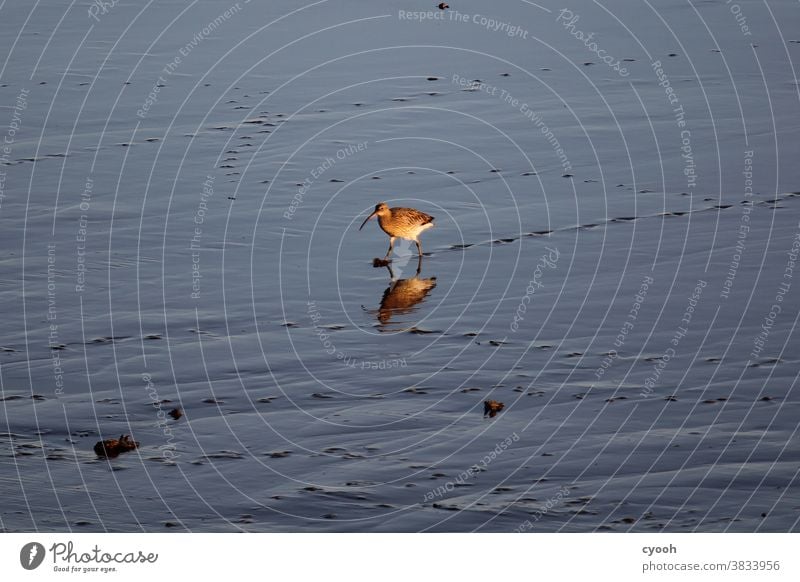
(406, 223)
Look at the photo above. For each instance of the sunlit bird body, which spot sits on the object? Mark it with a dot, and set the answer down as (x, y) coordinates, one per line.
(406, 223)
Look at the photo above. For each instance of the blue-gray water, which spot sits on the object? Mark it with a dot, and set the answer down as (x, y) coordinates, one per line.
(613, 260)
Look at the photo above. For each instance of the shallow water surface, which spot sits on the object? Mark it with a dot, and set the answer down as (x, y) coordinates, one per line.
(613, 260)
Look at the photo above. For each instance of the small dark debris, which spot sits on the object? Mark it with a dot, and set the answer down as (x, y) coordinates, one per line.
(492, 407)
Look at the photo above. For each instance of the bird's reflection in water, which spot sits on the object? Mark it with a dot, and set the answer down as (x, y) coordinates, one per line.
(402, 295)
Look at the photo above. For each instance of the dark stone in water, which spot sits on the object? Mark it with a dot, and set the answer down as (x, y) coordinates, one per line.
(492, 407)
(111, 448)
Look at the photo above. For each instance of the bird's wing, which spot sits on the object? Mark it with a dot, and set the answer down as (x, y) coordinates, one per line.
(412, 215)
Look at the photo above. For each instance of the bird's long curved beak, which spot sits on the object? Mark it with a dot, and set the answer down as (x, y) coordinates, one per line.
(367, 219)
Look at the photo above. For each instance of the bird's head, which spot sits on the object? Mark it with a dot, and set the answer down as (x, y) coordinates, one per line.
(381, 209)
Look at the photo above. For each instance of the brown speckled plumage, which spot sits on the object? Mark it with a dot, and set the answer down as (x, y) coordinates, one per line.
(407, 223)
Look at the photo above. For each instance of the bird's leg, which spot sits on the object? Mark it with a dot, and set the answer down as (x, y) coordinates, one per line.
(419, 248)
(391, 246)
(419, 266)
